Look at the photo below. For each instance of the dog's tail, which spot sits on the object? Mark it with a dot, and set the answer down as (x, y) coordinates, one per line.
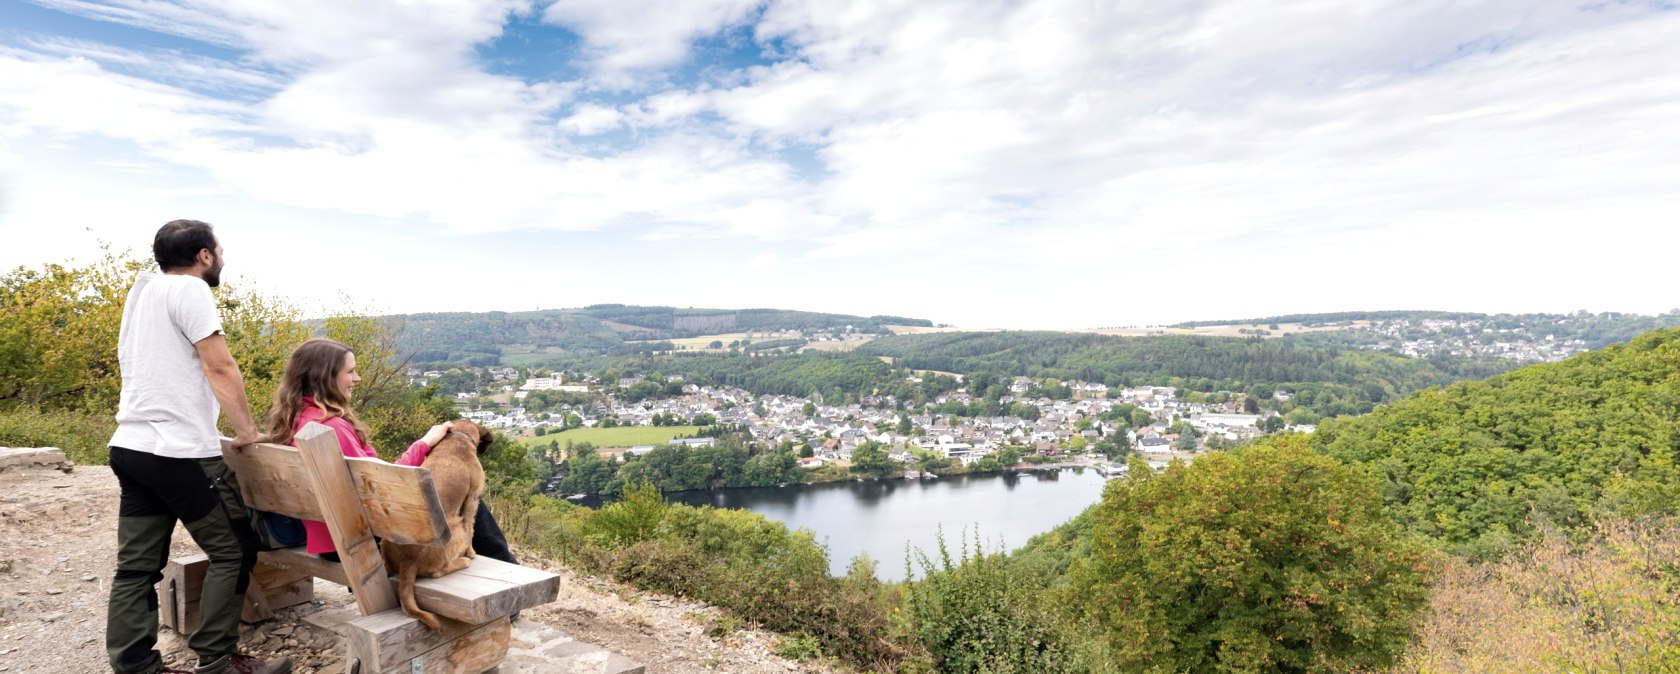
(405, 594)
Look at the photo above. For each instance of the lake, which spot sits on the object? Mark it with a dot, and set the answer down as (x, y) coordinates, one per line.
(882, 517)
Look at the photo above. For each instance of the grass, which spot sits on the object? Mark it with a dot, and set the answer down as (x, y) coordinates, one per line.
(623, 436)
(81, 435)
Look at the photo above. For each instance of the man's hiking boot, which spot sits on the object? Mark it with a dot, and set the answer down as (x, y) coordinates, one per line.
(245, 664)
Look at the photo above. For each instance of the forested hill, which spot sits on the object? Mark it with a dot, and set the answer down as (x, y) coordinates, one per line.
(1593, 330)
(1478, 463)
(1349, 381)
(482, 338)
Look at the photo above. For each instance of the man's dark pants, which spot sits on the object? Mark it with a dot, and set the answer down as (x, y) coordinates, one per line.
(156, 492)
(488, 539)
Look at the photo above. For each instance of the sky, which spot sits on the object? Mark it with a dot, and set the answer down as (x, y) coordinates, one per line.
(1035, 164)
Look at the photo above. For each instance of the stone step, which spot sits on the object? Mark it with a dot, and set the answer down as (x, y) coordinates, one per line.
(534, 648)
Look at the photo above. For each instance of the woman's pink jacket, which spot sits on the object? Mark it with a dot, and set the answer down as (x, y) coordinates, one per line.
(320, 540)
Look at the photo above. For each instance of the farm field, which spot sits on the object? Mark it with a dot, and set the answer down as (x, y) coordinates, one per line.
(700, 343)
(623, 436)
(919, 330)
(1232, 330)
(851, 342)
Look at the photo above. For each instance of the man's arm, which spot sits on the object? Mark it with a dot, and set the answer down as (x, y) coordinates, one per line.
(229, 387)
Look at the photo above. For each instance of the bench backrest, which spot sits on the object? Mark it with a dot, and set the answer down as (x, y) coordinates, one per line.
(400, 502)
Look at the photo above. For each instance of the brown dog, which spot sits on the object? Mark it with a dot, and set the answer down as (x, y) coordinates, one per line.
(460, 481)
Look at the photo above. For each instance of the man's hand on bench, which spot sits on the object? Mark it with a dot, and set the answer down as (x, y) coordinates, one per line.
(242, 440)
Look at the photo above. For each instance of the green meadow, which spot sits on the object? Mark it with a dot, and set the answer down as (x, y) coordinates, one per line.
(623, 436)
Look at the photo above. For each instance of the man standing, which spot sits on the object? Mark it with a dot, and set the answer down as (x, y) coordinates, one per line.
(177, 375)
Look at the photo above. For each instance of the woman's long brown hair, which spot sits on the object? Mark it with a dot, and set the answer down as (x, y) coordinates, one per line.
(311, 371)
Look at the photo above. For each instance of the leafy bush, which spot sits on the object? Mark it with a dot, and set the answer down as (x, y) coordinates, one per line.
(630, 520)
(798, 648)
(82, 436)
(1608, 604)
(1269, 559)
(735, 560)
(981, 614)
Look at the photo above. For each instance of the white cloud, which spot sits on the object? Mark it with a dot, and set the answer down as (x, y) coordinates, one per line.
(764, 261)
(588, 120)
(624, 36)
(916, 139)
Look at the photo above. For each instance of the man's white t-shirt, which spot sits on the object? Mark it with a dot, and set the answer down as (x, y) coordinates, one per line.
(167, 407)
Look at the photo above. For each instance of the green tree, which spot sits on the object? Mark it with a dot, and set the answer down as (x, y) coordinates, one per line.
(586, 471)
(1271, 559)
(870, 459)
(929, 461)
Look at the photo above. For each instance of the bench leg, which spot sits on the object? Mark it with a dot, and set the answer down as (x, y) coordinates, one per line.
(391, 641)
(183, 582)
(273, 588)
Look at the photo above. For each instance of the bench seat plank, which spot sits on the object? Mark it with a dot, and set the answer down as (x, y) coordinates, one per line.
(484, 591)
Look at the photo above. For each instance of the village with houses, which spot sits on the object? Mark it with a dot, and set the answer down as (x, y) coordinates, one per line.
(1160, 427)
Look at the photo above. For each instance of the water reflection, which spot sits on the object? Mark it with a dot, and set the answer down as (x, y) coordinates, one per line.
(882, 517)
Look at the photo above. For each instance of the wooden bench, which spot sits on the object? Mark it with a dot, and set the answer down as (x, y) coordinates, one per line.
(360, 499)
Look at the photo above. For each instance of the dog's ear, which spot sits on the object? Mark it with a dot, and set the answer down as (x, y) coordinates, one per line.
(484, 440)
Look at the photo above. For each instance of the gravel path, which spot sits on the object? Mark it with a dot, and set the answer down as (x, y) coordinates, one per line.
(57, 554)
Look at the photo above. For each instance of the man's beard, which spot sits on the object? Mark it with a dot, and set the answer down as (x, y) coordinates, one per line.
(213, 275)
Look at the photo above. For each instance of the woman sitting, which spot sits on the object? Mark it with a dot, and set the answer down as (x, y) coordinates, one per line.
(317, 385)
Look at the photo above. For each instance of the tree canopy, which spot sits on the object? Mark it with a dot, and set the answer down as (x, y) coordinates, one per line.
(1473, 464)
(1269, 559)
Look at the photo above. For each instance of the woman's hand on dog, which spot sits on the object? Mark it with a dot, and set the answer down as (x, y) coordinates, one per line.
(435, 435)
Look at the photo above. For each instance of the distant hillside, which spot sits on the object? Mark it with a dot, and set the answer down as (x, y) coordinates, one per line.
(604, 329)
(1478, 463)
(1335, 317)
(672, 323)
(1370, 327)
(1326, 379)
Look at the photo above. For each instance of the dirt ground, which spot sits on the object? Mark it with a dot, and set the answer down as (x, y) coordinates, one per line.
(57, 555)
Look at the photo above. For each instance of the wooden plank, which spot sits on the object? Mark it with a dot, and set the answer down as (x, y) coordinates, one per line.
(400, 502)
(486, 590)
(386, 640)
(273, 588)
(477, 651)
(255, 608)
(394, 642)
(271, 478)
(341, 508)
(179, 611)
(275, 598)
(269, 575)
(296, 559)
